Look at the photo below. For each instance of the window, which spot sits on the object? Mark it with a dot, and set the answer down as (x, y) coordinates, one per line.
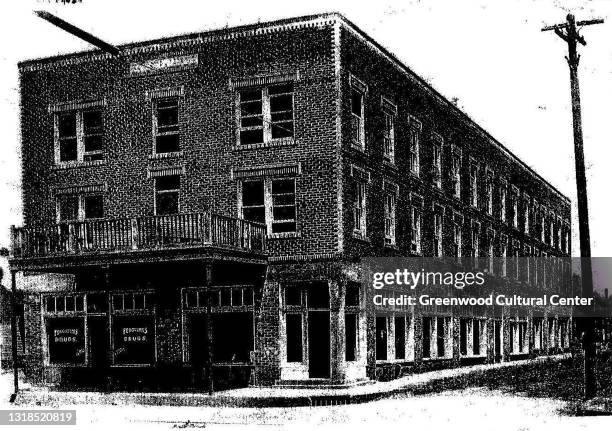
(526, 215)
(166, 120)
(490, 252)
(437, 160)
(389, 138)
(79, 207)
(294, 337)
(350, 332)
(283, 205)
(400, 337)
(503, 252)
(79, 136)
(93, 206)
(271, 202)
(502, 201)
(474, 184)
(381, 338)
(457, 239)
(357, 120)
(472, 337)
(415, 223)
(514, 207)
(427, 325)
(437, 241)
(489, 193)
(68, 208)
(359, 209)
(443, 337)
(455, 173)
(266, 114)
(414, 144)
(476, 240)
(167, 191)
(390, 219)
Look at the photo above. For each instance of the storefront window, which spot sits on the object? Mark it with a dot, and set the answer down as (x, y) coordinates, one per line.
(66, 340)
(134, 339)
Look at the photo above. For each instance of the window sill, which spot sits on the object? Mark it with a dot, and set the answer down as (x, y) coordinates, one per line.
(389, 163)
(360, 237)
(391, 246)
(284, 235)
(170, 155)
(359, 146)
(444, 358)
(473, 356)
(283, 142)
(73, 165)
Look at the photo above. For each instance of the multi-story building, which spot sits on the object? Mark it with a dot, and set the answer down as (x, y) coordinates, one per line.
(210, 196)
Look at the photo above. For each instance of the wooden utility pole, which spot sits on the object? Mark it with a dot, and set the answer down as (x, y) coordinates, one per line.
(569, 32)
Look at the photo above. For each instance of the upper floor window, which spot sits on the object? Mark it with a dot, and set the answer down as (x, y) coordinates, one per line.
(414, 144)
(437, 231)
(415, 223)
(476, 240)
(166, 121)
(266, 114)
(167, 193)
(79, 136)
(389, 137)
(357, 118)
(457, 239)
(489, 193)
(436, 166)
(72, 207)
(473, 183)
(359, 209)
(270, 201)
(502, 201)
(514, 198)
(526, 214)
(390, 218)
(455, 173)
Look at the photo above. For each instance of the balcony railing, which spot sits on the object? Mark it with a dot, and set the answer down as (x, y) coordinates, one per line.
(140, 233)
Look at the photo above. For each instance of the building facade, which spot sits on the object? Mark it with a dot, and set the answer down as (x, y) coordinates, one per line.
(209, 198)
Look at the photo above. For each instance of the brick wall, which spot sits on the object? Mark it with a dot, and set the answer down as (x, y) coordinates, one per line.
(208, 134)
(412, 98)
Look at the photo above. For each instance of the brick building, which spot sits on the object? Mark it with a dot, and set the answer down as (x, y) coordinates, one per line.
(208, 198)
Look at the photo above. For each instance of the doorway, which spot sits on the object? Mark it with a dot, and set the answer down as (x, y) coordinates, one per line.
(199, 349)
(98, 342)
(497, 330)
(318, 344)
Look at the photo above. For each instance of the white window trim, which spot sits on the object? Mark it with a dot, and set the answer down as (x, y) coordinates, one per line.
(414, 145)
(154, 101)
(268, 204)
(80, 138)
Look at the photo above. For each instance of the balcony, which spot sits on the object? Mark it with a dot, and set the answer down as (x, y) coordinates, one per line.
(153, 233)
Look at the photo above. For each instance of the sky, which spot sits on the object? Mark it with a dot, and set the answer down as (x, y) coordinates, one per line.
(491, 55)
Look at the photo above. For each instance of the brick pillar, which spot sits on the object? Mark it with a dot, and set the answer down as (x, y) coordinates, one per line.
(337, 294)
(267, 337)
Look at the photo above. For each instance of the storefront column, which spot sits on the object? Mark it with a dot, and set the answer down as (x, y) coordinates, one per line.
(209, 328)
(337, 291)
(14, 335)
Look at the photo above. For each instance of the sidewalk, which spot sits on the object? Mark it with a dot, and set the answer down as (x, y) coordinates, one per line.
(268, 396)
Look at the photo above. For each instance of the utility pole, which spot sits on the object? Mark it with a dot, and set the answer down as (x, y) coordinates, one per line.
(569, 32)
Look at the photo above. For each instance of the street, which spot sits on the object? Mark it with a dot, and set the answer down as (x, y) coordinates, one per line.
(473, 409)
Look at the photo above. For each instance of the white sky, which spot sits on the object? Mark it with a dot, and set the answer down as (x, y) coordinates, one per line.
(491, 55)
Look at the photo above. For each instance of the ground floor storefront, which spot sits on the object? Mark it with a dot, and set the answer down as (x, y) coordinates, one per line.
(206, 325)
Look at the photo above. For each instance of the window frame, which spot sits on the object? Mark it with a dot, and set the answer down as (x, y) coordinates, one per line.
(79, 136)
(80, 206)
(155, 117)
(268, 203)
(266, 115)
(415, 128)
(156, 192)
